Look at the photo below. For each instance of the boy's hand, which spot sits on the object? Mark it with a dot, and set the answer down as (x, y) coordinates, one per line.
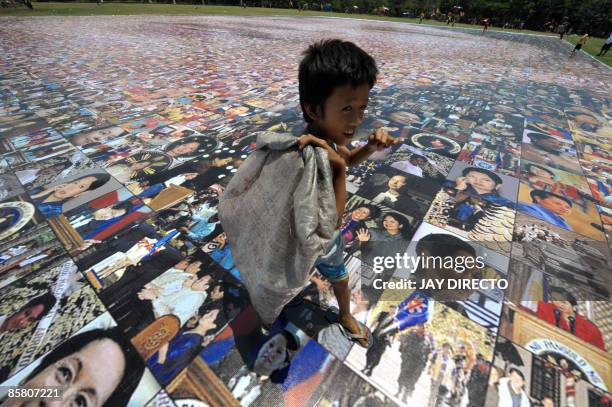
(380, 139)
(335, 160)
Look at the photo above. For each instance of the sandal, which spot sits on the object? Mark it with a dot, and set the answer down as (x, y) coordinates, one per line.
(358, 338)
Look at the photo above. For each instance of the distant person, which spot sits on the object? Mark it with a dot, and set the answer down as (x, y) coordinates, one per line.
(421, 16)
(485, 22)
(581, 41)
(605, 47)
(562, 30)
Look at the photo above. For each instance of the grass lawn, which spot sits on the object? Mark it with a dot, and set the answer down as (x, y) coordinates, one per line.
(89, 9)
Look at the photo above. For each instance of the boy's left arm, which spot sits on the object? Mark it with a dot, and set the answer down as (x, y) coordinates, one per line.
(379, 140)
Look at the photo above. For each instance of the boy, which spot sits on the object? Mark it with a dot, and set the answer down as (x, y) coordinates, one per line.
(581, 41)
(335, 79)
(485, 23)
(605, 47)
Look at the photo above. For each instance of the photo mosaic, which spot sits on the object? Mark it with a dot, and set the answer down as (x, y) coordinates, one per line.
(118, 136)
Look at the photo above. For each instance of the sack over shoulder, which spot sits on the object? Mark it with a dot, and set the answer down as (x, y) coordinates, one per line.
(279, 215)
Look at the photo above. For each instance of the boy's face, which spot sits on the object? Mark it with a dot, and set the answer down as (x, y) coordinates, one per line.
(341, 113)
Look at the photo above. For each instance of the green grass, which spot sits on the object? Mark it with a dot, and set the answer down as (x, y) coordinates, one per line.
(592, 46)
(89, 9)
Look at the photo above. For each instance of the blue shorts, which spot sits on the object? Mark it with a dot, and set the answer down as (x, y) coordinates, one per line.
(331, 264)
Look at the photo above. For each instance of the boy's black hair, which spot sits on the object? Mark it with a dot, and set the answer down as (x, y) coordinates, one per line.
(545, 194)
(496, 178)
(329, 64)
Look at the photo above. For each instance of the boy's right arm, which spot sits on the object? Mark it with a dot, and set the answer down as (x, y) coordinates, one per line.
(335, 160)
(338, 165)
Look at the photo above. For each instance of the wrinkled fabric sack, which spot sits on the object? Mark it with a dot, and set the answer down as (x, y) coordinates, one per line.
(279, 215)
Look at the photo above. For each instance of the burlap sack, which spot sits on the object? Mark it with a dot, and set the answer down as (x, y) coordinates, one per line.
(279, 215)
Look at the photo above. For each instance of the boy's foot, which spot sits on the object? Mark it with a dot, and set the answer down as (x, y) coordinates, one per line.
(355, 331)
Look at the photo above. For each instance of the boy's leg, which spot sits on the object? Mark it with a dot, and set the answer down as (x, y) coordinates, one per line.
(343, 296)
(331, 266)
